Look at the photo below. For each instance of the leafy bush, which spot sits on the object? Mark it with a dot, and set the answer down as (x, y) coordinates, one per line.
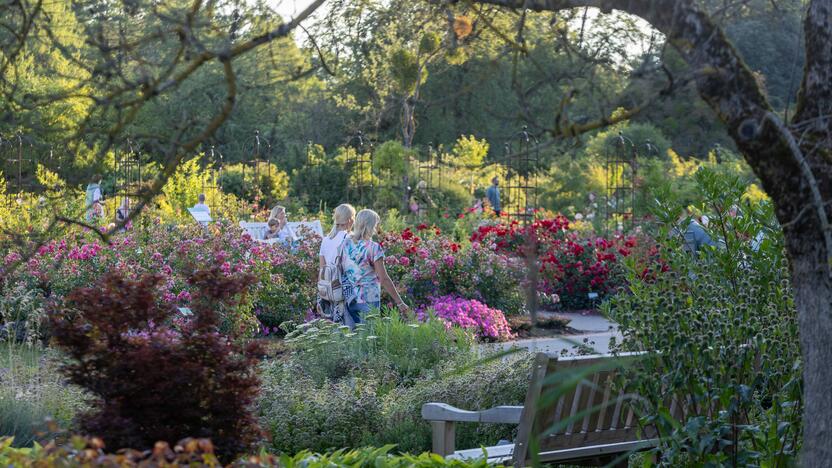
(385, 345)
(22, 312)
(152, 381)
(725, 326)
(301, 413)
(468, 314)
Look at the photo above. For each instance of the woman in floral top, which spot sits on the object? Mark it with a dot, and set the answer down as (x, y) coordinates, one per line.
(364, 270)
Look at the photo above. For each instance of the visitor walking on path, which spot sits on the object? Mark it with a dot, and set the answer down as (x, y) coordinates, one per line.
(493, 195)
(94, 209)
(364, 271)
(342, 221)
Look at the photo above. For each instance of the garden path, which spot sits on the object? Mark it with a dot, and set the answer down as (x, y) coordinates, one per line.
(592, 336)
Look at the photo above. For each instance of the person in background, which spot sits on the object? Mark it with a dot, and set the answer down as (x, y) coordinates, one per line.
(123, 212)
(479, 201)
(695, 235)
(201, 206)
(423, 199)
(364, 271)
(93, 199)
(342, 221)
(493, 195)
(278, 226)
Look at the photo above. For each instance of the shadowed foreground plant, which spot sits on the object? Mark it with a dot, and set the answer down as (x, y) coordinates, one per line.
(153, 382)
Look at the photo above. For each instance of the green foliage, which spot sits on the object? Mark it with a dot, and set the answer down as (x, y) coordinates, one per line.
(320, 186)
(33, 392)
(429, 43)
(190, 452)
(406, 71)
(638, 133)
(302, 414)
(469, 152)
(724, 326)
(184, 186)
(384, 344)
(390, 158)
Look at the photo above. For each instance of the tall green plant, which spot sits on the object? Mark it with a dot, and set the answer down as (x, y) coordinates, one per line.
(723, 332)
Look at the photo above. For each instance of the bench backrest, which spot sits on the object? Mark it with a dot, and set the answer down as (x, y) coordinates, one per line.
(299, 226)
(257, 230)
(561, 416)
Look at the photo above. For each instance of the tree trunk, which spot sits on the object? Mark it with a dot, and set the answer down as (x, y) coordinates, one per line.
(811, 285)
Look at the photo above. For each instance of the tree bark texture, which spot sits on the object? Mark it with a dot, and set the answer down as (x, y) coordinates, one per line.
(793, 161)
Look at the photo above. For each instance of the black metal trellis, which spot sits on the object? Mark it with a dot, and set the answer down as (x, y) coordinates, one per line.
(621, 171)
(128, 179)
(359, 165)
(522, 159)
(257, 161)
(14, 154)
(429, 169)
(313, 182)
(211, 180)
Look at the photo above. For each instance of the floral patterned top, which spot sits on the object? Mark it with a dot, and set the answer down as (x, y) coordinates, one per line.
(360, 279)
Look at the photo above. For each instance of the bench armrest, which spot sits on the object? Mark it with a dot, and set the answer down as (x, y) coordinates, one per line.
(443, 419)
(498, 414)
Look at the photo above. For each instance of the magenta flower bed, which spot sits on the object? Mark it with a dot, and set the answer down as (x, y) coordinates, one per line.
(469, 314)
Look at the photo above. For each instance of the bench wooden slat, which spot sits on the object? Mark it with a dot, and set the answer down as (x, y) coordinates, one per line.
(593, 390)
(605, 402)
(576, 405)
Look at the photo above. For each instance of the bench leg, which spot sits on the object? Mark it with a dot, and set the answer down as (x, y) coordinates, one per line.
(443, 437)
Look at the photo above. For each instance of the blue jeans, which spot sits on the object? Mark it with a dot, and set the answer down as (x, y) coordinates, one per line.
(359, 311)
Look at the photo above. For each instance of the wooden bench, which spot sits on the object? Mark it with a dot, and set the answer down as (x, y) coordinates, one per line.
(590, 423)
(257, 230)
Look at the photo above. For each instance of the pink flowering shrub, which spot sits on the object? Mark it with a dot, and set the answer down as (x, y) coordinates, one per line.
(469, 314)
(424, 264)
(174, 252)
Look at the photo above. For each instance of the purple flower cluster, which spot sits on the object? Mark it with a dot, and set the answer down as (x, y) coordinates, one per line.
(469, 314)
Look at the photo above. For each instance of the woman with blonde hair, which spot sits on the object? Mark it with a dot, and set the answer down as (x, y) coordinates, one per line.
(365, 275)
(342, 221)
(278, 226)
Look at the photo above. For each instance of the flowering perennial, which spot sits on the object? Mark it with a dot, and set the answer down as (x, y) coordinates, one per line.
(468, 314)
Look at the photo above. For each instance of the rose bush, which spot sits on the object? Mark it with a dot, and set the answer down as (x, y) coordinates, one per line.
(571, 265)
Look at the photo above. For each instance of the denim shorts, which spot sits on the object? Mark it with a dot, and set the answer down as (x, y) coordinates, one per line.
(359, 310)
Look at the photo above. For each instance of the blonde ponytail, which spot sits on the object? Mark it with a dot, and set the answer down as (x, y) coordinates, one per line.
(343, 214)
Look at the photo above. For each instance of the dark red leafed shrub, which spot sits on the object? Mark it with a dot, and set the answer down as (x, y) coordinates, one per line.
(153, 380)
